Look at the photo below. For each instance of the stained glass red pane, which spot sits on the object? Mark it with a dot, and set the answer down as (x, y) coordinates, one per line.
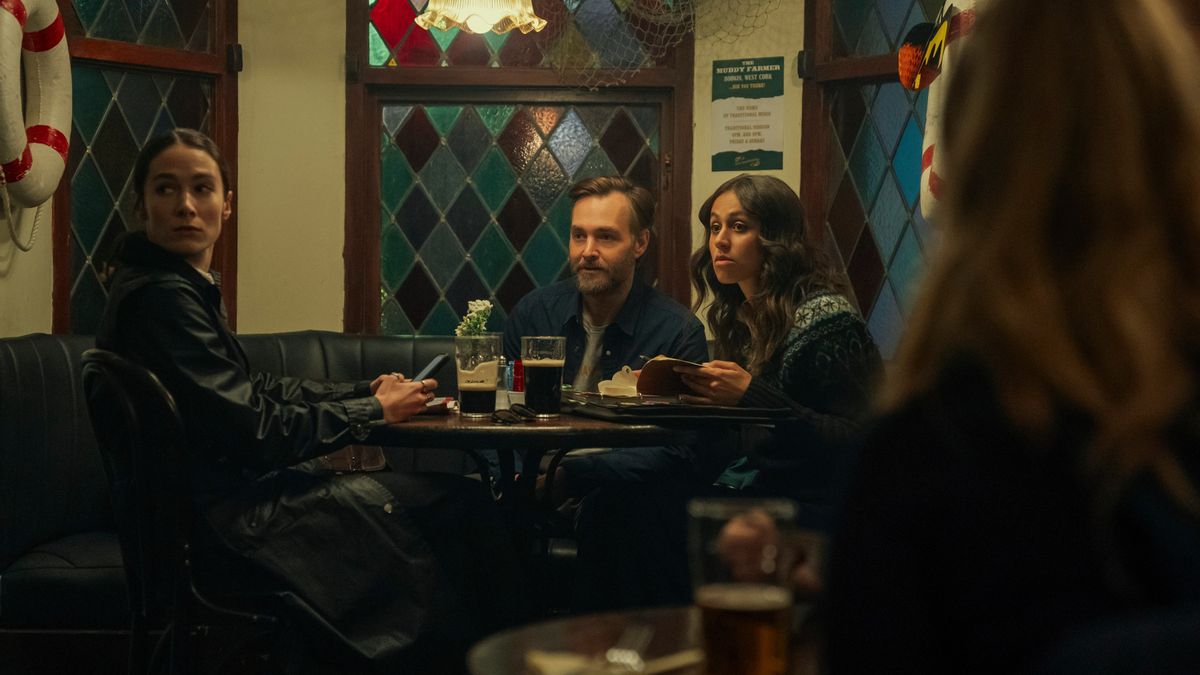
(469, 49)
(520, 140)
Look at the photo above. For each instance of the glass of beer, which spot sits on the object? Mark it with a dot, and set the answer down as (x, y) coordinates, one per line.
(478, 361)
(740, 556)
(543, 357)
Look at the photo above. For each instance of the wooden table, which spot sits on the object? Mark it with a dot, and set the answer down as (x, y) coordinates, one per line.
(675, 629)
(531, 439)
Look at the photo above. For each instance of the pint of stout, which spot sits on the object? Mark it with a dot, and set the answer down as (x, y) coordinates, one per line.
(478, 361)
(543, 358)
(745, 628)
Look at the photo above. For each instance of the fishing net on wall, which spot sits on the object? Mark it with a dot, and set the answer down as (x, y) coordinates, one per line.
(598, 43)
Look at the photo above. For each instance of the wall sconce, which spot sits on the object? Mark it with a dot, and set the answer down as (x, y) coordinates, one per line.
(481, 16)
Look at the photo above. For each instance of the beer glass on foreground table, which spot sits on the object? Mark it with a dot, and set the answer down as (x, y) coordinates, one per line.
(543, 357)
(478, 361)
(741, 557)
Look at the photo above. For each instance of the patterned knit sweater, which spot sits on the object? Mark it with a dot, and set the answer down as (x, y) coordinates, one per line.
(824, 372)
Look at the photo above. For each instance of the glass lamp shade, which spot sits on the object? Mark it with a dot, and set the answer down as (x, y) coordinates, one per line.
(480, 16)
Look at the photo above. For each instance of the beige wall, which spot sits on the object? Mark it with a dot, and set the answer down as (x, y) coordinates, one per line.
(291, 159)
(782, 36)
(25, 278)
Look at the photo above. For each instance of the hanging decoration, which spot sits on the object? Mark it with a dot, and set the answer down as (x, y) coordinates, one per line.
(481, 16)
(33, 144)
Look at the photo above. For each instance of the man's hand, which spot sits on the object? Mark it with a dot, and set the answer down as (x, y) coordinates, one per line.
(398, 377)
(400, 399)
(715, 383)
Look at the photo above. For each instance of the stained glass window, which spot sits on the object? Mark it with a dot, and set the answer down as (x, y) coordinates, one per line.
(580, 33)
(870, 27)
(874, 165)
(115, 111)
(178, 24)
(874, 214)
(474, 204)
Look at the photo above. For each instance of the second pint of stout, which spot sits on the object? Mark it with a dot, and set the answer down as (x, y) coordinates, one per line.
(477, 389)
(745, 628)
(543, 385)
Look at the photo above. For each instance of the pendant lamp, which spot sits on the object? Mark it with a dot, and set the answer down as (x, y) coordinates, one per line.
(481, 16)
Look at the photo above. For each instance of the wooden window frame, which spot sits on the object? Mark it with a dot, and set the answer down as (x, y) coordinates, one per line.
(221, 66)
(821, 70)
(368, 88)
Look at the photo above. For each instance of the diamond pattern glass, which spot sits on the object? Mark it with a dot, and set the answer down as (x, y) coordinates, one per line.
(870, 27)
(486, 214)
(177, 24)
(114, 112)
(582, 32)
(874, 213)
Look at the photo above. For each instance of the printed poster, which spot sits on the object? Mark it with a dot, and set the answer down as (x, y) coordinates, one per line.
(747, 114)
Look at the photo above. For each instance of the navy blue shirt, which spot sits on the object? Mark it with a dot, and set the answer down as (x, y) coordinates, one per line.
(649, 324)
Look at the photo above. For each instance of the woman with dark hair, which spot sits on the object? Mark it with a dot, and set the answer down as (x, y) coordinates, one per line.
(395, 568)
(786, 336)
(1032, 484)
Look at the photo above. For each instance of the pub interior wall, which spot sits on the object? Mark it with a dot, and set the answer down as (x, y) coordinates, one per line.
(291, 196)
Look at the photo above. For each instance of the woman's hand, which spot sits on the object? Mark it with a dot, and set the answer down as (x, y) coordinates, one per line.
(400, 399)
(715, 383)
(386, 376)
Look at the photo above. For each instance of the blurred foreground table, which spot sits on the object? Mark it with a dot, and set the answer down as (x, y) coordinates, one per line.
(675, 629)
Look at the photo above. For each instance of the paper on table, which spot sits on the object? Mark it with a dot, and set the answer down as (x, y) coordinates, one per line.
(659, 378)
(539, 662)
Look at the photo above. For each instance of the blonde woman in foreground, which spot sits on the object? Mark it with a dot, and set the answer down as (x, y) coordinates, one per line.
(1028, 499)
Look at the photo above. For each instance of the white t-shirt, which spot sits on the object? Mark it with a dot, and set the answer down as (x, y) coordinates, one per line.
(589, 371)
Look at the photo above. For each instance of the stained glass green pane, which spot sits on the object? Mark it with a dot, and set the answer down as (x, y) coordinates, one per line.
(397, 257)
(395, 175)
(90, 204)
(495, 117)
(113, 23)
(162, 30)
(444, 37)
(851, 17)
(393, 321)
(544, 256)
(87, 303)
(597, 164)
(496, 41)
(90, 99)
(443, 116)
(932, 8)
(494, 179)
(493, 256)
(441, 321)
(559, 218)
(442, 255)
(377, 49)
(87, 11)
(443, 177)
(872, 40)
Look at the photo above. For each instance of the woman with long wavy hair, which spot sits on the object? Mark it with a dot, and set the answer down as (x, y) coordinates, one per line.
(1036, 466)
(786, 336)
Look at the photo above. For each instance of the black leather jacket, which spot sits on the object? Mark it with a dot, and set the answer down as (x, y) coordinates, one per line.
(346, 550)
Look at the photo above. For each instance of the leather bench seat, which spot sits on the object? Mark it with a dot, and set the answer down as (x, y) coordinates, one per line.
(60, 561)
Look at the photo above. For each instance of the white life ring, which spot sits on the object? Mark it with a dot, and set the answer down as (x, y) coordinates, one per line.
(33, 146)
(937, 58)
